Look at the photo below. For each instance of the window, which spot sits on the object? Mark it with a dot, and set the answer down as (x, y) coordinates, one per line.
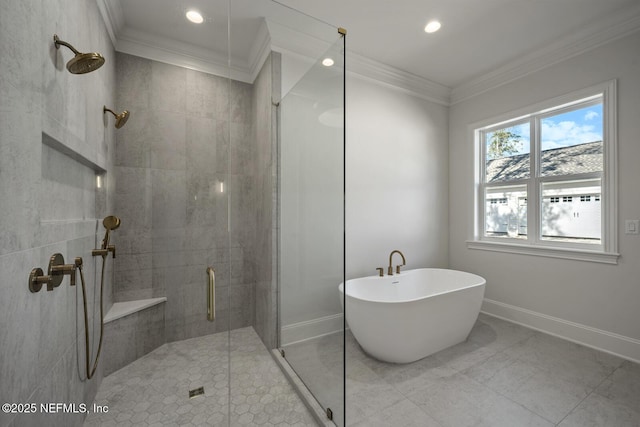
(537, 170)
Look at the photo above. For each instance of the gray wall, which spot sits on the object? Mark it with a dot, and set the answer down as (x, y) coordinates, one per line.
(49, 201)
(592, 299)
(188, 132)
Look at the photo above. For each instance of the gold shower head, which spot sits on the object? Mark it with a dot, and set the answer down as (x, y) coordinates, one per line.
(121, 118)
(110, 223)
(81, 63)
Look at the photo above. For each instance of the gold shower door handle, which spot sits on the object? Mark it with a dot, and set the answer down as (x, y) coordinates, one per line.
(211, 294)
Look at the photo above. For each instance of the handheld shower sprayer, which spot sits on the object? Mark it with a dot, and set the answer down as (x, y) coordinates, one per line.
(110, 223)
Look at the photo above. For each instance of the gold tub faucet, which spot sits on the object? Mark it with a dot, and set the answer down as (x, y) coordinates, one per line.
(404, 262)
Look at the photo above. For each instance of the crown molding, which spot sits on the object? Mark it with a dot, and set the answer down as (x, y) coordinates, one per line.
(260, 50)
(285, 39)
(271, 36)
(278, 37)
(113, 17)
(386, 75)
(169, 51)
(196, 58)
(180, 54)
(608, 30)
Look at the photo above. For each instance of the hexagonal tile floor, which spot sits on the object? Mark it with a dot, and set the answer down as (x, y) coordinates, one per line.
(154, 390)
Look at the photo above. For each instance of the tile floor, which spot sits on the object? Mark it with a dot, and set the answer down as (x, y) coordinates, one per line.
(503, 375)
(153, 390)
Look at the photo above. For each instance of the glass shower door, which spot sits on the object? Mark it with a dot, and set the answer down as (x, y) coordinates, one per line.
(311, 237)
(172, 174)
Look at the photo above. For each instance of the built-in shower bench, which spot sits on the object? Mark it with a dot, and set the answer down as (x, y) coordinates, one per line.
(121, 309)
(132, 329)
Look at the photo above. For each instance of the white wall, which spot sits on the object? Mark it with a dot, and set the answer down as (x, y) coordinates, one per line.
(565, 297)
(397, 179)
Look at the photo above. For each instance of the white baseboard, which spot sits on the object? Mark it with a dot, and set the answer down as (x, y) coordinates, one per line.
(310, 329)
(609, 342)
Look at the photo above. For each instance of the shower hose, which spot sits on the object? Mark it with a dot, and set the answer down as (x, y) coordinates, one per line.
(86, 321)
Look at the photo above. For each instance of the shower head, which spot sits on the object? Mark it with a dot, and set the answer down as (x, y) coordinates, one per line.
(110, 223)
(81, 63)
(121, 118)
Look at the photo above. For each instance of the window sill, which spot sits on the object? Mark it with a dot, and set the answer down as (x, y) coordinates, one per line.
(552, 252)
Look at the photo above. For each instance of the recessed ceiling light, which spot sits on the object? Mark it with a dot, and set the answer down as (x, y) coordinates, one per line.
(432, 26)
(327, 62)
(195, 17)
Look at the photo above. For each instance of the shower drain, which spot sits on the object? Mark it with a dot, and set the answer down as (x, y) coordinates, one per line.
(196, 392)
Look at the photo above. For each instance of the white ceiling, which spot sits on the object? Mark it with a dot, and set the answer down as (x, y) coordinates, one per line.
(476, 37)
(479, 40)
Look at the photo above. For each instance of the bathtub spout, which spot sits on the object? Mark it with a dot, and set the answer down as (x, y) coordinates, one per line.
(404, 262)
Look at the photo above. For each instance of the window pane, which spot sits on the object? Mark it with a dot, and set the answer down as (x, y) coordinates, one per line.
(507, 153)
(506, 212)
(572, 211)
(571, 142)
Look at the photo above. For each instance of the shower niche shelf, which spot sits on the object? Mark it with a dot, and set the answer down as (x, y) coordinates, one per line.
(65, 149)
(69, 195)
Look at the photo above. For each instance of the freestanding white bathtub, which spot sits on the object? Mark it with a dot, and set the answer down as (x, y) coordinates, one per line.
(408, 316)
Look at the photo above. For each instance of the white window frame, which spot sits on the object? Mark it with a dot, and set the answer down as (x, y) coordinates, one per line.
(607, 251)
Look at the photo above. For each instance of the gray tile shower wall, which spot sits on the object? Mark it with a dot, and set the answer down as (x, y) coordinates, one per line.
(48, 199)
(186, 190)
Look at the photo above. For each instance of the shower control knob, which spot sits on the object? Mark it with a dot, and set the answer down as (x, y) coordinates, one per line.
(56, 271)
(37, 279)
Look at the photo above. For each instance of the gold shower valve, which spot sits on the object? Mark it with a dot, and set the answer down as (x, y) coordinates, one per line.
(58, 269)
(37, 279)
(55, 274)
